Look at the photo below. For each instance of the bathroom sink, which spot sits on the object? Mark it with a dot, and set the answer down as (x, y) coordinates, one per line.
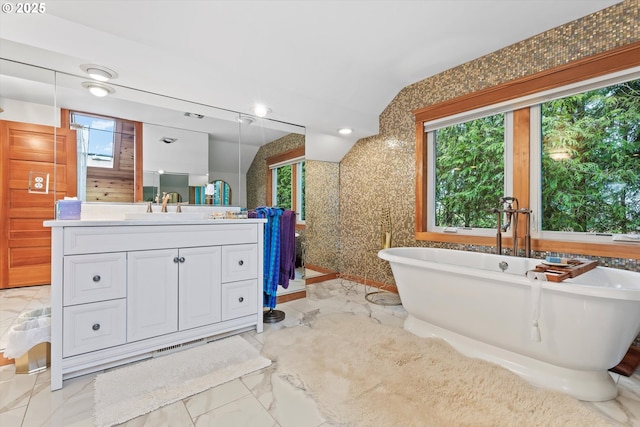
(164, 216)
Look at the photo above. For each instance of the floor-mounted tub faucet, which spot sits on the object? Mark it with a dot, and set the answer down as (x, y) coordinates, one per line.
(511, 213)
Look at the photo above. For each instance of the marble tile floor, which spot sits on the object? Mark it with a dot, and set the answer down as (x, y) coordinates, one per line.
(258, 399)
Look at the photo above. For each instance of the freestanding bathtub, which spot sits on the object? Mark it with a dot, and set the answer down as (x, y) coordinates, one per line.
(585, 325)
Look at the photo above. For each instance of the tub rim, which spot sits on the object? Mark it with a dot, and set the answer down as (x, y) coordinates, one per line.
(572, 286)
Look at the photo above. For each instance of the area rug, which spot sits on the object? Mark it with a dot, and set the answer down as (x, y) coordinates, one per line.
(134, 390)
(362, 373)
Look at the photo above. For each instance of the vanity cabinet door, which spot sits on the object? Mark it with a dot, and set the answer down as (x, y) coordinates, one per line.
(199, 286)
(152, 293)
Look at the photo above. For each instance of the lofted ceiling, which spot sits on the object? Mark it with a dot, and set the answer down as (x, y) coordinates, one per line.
(321, 64)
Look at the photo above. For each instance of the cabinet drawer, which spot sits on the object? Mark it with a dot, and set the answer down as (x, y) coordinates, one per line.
(239, 299)
(90, 327)
(92, 278)
(239, 262)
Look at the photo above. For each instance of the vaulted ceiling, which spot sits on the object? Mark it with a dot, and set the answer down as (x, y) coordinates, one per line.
(321, 64)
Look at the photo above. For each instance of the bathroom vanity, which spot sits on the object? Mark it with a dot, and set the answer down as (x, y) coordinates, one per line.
(125, 290)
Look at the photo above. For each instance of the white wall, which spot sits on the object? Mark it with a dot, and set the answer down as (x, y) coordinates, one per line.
(189, 154)
(327, 148)
(28, 112)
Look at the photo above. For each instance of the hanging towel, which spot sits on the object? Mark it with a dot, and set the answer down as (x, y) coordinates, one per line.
(271, 253)
(287, 248)
(536, 278)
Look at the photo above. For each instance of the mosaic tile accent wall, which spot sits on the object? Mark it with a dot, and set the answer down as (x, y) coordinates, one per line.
(257, 173)
(322, 214)
(380, 170)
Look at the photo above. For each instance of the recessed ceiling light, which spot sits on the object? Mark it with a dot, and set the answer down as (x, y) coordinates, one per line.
(345, 131)
(261, 110)
(98, 72)
(246, 120)
(98, 89)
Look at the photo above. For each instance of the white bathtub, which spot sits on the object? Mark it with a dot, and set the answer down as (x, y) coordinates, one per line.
(585, 324)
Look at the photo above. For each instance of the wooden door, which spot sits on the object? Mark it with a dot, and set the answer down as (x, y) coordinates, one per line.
(25, 244)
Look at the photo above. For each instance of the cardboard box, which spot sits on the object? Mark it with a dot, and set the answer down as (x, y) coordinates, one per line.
(68, 209)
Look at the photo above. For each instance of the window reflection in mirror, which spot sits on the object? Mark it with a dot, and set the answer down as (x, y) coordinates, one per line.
(221, 193)
(105, 156)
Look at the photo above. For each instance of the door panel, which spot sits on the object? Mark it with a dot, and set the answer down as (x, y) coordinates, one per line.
(199, 289)
(152, 294)
(25, 244)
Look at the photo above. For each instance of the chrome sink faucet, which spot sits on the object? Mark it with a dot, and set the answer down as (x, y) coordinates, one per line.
(165, 199)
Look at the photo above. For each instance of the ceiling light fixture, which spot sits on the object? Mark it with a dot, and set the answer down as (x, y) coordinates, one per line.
(345, 131)
(246, 120)
(261, 110)
(194, 115)
(168, 140)
(98, 89)
(98, 72)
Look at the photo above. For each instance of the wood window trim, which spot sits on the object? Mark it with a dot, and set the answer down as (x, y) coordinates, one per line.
(279, 158)
(614, 60)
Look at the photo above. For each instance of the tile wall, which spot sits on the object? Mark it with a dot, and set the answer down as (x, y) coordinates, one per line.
(380, 170)
(257, 172)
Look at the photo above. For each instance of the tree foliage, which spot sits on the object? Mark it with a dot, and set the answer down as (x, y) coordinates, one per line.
(469, 172)
(284, 187)
(590, 161)
(590, 164)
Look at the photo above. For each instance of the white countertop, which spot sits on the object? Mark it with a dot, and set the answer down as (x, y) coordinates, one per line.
(138, 222)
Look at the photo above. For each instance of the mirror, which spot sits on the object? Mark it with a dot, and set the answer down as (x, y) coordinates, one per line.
(211, 143)
(227, 141)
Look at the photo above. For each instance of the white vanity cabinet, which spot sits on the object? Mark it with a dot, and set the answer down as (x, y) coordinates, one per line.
(190, 276)
(122, 290)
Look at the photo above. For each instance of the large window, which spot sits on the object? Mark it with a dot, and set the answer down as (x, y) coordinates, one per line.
(572, 156)
(590, 164)
(468, 162)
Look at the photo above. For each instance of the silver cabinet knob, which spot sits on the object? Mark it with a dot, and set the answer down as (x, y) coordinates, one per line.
(96, 326)
(181, 259)
(176, 259)
(241, 299)
(241, 262)
(96, 278)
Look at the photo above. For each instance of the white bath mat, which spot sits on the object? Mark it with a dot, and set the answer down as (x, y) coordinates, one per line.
(134, 390)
